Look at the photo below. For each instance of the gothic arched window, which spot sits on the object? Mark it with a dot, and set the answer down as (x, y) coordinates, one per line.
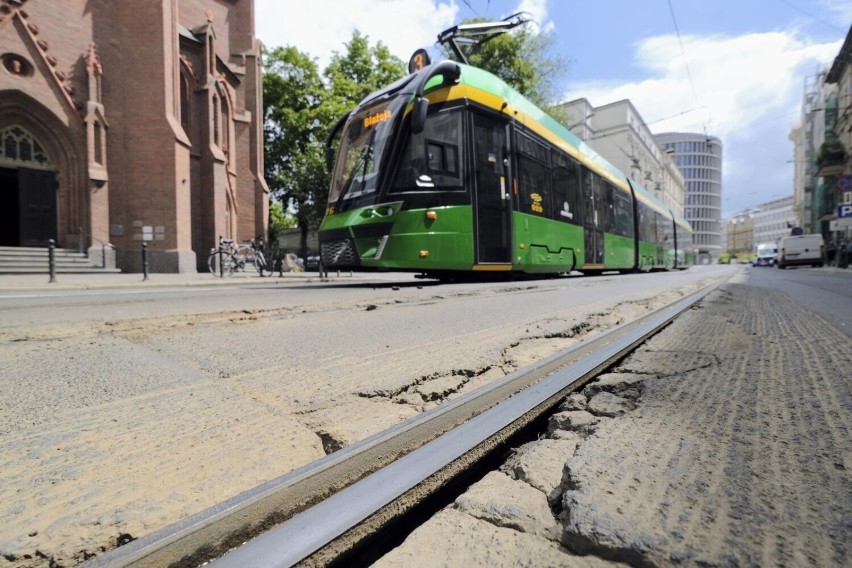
(18, 147)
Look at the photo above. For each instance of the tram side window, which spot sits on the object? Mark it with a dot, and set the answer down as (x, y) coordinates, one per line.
(664, 228)
(623, 215)
(647, 224)
(533, 176)
(566, 189)
(441, 158)
(432, 159)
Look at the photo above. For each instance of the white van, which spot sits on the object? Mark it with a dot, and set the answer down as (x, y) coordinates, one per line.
(801, 249)
(767, 255)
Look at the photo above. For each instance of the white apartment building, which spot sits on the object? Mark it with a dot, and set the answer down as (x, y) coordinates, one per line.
(773, 220)
(618, 133)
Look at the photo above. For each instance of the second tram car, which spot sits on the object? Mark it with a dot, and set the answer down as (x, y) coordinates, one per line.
(449, 170)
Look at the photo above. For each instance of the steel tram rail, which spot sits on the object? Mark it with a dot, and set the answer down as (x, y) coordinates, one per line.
(322, 511)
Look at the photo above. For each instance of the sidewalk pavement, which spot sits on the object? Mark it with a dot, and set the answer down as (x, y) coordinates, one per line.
(41, 282)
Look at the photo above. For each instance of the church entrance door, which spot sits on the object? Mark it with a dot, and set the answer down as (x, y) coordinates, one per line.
(28, 190)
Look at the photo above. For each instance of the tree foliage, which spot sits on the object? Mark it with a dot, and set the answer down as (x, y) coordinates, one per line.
(301, 106)
(293, 96)
(524, 59)
(279, 219)
(361, 70)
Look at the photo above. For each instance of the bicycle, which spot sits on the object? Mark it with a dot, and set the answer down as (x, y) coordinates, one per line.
(230, 257)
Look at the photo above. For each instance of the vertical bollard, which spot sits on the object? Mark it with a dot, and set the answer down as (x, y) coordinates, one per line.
(51, 261)
(221, 259)
(144, 261)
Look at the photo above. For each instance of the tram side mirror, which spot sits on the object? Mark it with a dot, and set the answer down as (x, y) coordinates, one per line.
(418, 115)
(329, 158)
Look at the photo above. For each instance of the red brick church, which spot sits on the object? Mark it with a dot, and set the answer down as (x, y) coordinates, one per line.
(129, 123)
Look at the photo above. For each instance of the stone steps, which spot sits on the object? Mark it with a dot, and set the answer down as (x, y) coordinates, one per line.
(35, 260)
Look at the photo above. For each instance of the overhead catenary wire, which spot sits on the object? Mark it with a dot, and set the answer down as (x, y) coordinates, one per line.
(685, 60)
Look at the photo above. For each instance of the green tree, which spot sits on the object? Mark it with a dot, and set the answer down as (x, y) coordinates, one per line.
(294, 96)
(523, 58)
(361, 70)
(300, 108)
(279, 219)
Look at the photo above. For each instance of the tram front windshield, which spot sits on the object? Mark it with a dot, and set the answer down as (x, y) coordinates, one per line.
(364, 145)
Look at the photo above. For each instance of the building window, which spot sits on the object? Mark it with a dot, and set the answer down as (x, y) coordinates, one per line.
(226, 121)
(217, 127)
(184, 102)
(99, 141)
(211, 56)
(19, 147)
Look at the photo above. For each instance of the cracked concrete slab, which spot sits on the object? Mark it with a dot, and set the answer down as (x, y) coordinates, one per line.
(661, 363)
(293, 369)
(610, 405)
(622, 383)
(739, 456)
(540, 463)
(353, 418)
(509, 503)
(580, 421)
(437, 545)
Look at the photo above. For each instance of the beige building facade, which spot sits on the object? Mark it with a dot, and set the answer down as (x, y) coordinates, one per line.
(618, 133)
(123, 123)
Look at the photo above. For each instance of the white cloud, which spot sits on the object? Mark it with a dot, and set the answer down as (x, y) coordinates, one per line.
(746, 90)
(727, 83)
(320, 27)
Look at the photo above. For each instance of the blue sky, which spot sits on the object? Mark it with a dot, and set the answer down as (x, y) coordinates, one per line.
(734, 69)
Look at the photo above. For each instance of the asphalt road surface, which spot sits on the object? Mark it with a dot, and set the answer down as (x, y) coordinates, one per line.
(825, 292)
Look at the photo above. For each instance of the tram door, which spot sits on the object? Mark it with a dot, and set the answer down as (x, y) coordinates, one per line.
(493, 192)
(593, 233)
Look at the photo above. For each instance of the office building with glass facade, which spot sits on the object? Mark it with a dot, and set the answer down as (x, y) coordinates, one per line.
(699, 158)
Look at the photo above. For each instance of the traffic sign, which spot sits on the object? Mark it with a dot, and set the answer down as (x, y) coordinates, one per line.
(844, 210)
(845, 183)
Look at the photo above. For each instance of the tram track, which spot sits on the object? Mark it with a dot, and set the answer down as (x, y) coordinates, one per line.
(329, 510)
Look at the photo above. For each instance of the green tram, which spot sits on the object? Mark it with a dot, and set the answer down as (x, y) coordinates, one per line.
(450, 171)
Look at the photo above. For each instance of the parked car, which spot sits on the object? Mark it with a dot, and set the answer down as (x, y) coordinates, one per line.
(801, 250)
(767, 255)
